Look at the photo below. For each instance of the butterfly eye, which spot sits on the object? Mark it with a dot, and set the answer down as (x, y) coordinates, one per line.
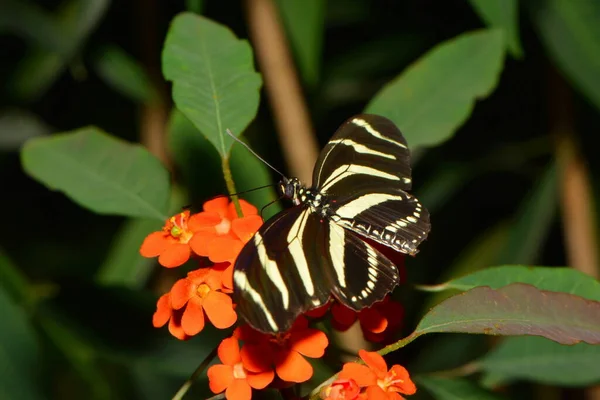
(290, 191)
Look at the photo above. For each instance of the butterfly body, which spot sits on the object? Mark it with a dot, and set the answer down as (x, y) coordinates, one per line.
(314, 250)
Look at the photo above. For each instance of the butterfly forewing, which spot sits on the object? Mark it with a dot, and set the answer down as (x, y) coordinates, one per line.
(366, 151)
(279, 273)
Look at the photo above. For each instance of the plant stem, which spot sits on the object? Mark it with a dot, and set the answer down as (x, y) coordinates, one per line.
(231, 185)
(200, 370)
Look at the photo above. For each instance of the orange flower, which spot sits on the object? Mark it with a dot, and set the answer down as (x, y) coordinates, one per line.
(319, 311)
(378, 322)
(165, 313)
(202, 293)
(380, 383)
(171, 244)
(285, 351)
(341, 389)
(221, 233)
(232, 376)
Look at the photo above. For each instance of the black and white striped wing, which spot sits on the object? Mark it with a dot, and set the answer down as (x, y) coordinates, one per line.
(280, 272)
(307, 260)
(389, 216)
(366, 152)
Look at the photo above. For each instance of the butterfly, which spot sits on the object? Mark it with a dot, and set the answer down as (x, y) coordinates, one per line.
(314, 250)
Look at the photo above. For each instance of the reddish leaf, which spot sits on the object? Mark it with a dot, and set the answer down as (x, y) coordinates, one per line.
(517, 309)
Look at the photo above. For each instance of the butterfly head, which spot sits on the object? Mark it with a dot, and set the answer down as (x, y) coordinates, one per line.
(290, 188)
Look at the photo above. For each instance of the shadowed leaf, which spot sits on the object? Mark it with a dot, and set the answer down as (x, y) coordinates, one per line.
(503, 14)
(454, 389)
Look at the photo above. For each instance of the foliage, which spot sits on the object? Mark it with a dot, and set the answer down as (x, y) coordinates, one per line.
(107, 156)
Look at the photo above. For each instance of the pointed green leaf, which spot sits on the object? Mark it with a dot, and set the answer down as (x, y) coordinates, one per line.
(545, 361)
(554, 279)
(100, 172)
(214, 81)
(304, 22)
(434, 96)
(19, 353)
(517, 309)
(503, 14)
(570, 32)
(454, 389)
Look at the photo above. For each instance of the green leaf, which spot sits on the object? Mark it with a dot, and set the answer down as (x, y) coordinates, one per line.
(545, 361)
(454, 389)
(37, 71)
(214, 82)
(570, 32)
(19, 354)
(434, 96)
(554, 279)
(304, 22)
(13, 281)
(517, 309)
(100, 172)
(124, 265)
(195, 6)
(503, 14)
(125, 74)
(532, 222)
(18, 126)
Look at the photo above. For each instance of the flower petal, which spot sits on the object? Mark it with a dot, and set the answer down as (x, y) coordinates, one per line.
(219, 377)
(203, 221)
(407, 386)
(181, 292)
(175, 255)
(371, 320)
(373, 360)
(245, 227)
(155, 243)
(376, 393)
(260, 380)
(193, 317)
(292, 367)
(342, 317)
(200, 242)
(219, 309)
(247, 209)
(224, 248)
(238, 390)
(163, 311)
(217, 205)
(309, 342)
(360, 373)
(257, 358)
(229, 351)
(175, 327)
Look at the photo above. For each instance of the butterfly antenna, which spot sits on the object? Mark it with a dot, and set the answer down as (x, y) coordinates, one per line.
(253, 152)
(267, 205)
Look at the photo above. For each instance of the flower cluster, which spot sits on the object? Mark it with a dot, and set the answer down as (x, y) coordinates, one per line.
(251, 359)
(372, 381)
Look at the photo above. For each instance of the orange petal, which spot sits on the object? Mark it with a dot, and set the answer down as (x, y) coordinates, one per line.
(360, 373)
(319, 311)
(246, 227)
(238, 390)
(247, 209)
(155, 243)
(181, 292)
(256, 358)
(219, 309)
(224, 248)
(371, 320)
(200, 242)
(292, 367)
(373, 360)
(342, 317)
(407, 386)
(174, 255)
(376, 393)
(309, 342)
(217, 205)
(219, 377)
(260, 380)
(203, 221)
(163, 311)
(175, 327)
(229, 351)
(193, 317)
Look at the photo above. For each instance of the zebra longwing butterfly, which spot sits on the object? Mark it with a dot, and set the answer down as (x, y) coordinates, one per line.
(307, 253)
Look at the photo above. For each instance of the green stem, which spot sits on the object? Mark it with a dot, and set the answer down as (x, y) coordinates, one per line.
(197, 373)
(231, 186)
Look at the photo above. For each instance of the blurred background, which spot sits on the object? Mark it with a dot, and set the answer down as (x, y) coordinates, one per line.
(515, 184)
